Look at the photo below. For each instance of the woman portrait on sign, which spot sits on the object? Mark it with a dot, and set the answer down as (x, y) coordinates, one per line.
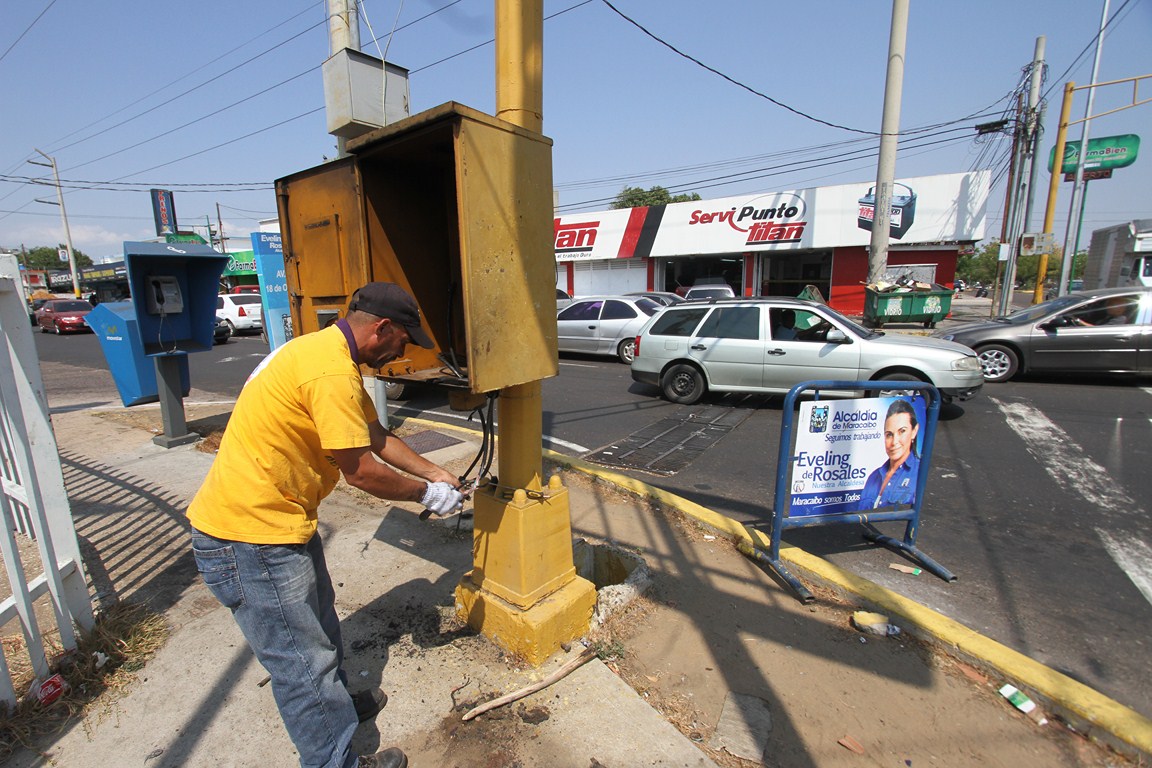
(894, 482)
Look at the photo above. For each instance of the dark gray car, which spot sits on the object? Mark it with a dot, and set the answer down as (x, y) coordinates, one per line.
(1103, 331)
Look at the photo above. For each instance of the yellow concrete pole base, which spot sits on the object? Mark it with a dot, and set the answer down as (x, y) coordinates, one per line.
(535, 633)
(523, 592)
(522, 547)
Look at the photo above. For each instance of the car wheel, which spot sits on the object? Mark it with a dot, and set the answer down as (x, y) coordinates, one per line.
(999, 363)
(683, 384)
(231, 328)
(897, 392)
(626, 351)
(56, 328)
(393, 390)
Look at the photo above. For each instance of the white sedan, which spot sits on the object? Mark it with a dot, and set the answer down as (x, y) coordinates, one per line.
(603, 325)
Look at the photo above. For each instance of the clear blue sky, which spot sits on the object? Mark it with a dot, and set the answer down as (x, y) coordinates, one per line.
(215, 100)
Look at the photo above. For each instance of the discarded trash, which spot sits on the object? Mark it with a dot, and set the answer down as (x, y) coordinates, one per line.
(851, 745)
(906, 569)
(50, 690)
(709, 537)
(874, 624)
(1020, 700)
(101, 659)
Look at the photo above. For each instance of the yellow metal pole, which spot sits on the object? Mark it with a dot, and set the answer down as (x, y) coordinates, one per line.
(1054, 187)
(520, 100)
(523, 591)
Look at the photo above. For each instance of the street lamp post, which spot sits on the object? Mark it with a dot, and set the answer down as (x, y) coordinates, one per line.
(63, 215)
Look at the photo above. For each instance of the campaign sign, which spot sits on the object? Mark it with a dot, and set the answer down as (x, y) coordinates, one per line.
(269, 253)
(856, 455)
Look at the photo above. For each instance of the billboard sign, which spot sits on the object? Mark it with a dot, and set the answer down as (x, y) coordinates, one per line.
(268, 249)
(856, 455)
(163, 211)
(1103, 154)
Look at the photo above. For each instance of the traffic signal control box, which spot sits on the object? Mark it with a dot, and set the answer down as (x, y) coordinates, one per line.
(453, 205)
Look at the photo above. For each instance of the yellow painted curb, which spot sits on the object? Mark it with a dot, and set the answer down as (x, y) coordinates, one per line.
(1075, 698)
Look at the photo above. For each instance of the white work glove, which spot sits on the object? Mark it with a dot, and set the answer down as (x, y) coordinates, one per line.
(441, 499)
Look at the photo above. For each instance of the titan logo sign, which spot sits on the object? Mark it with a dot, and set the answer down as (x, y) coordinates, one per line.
(769, 219)
(578, 236)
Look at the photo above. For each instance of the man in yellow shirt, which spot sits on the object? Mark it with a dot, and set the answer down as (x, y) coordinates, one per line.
(302, 419)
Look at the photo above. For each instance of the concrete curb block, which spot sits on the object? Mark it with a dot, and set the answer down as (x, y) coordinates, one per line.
(1082, 707)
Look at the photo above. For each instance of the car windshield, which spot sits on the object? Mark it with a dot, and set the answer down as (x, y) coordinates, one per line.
(647, 306)
(70, 306)
(855, 327)
(1040, 311)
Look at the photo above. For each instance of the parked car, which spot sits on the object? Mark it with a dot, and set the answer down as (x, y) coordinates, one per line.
(603, 325)
(563, 299)
(34, 307)
(242, 311)
(1102, 331)
(697, 292)
(662, 298)
(63, 315)
(221, 332)
(772, 344)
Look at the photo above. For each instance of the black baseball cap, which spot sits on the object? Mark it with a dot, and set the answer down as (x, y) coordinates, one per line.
(393, 302)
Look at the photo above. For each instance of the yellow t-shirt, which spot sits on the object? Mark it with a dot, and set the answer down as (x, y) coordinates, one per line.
(274, 466)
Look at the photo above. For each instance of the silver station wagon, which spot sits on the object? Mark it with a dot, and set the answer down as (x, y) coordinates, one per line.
(772, 344)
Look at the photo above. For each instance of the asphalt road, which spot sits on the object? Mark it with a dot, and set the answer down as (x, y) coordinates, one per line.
(1038, 497)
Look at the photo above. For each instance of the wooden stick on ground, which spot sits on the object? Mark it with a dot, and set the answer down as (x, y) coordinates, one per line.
(587, 655)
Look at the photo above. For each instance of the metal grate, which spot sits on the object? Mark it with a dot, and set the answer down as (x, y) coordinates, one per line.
(669, 445)
(428, 441)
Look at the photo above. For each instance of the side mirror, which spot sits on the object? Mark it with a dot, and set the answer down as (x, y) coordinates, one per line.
(836, 336)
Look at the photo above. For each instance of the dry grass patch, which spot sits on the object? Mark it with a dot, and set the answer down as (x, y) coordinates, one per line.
(125, 636)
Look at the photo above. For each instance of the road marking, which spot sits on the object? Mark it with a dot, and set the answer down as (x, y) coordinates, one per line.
(580, 365)
(1135, 558)
(1075, 472)
(1063, 459)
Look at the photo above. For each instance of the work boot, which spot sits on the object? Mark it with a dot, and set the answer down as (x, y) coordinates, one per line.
(389, 758)
(369, 703)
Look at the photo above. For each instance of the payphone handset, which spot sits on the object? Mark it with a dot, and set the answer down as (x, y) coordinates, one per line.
(163, 295)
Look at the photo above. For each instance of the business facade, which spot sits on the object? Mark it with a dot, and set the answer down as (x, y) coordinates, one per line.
(775, 243)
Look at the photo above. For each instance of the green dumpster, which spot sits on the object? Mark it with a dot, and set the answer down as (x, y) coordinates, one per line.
(927, 307)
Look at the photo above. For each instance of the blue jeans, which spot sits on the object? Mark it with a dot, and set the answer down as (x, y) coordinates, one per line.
(281, 596)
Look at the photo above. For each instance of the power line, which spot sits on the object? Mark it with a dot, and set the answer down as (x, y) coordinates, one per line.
(27, 30)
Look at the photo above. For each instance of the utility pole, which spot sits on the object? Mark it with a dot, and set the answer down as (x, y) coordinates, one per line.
(1080, 188)
(1005, 278)
(889, 130)
(63, 215)
(1029, 146)
(343, 32)
(220, 231)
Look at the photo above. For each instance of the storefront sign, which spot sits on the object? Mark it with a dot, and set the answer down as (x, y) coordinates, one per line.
(931, 209)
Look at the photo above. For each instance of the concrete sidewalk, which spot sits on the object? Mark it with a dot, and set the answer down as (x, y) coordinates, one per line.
(714, 634)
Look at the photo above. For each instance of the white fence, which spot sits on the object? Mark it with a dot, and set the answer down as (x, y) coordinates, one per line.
(33, 505)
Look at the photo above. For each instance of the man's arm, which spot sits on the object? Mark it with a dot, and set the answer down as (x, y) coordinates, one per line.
(396, 452)
(361, 469)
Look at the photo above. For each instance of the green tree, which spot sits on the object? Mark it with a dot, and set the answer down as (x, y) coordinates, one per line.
(635, 197)
(45, 257)
(984, 266)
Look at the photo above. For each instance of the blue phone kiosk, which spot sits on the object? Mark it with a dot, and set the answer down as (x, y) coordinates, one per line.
(174, 288)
